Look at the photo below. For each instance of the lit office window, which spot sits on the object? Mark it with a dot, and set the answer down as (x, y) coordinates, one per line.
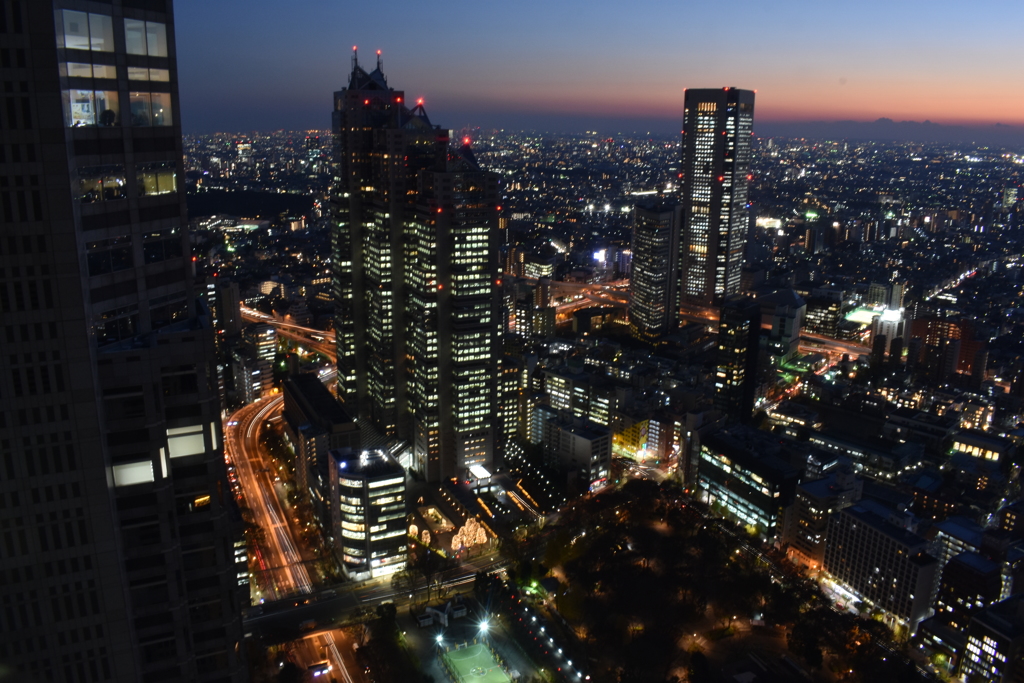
(150, 109)
(145, 38)
(83, 70)
(101, 183)
(82, 31)
(90, 108)
(142, 74)
(156, 178)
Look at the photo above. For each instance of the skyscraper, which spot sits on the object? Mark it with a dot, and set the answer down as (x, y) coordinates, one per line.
(654, 279)
(739, 330)
(117, 558)
(453, 319)
(416, 278)
(379, 147)
(715, 177)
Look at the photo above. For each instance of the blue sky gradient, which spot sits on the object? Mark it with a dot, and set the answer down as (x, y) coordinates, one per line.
(573, 65)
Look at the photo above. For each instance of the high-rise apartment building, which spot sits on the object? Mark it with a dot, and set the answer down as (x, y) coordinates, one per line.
(739, 331)
(654, 279)
(415, 253)
(117, 560)
(717, 127)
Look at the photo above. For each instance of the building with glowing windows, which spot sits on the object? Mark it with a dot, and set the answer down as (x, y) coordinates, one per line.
(654, 279)
(120, 561)
(717, 128)
(995, 643)
(415, 258)
(881, 563)
(367, 491)
(742, 474)
(452, 318)
(739, 333)
(380, 145)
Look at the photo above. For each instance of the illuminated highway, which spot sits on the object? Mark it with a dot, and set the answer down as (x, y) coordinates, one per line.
(278, 551)
(321, 341)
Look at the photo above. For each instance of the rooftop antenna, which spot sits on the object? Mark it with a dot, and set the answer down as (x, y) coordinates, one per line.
(380, 63)
(355, 57)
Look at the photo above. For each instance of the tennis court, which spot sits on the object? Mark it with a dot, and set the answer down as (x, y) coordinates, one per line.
(475, 664)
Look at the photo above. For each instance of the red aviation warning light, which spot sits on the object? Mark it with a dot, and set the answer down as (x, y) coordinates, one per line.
(419, 101)
(465, 141)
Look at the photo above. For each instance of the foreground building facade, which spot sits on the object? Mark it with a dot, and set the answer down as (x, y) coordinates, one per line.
(117, 560)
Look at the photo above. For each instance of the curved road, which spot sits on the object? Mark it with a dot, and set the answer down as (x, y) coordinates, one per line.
(241, 437)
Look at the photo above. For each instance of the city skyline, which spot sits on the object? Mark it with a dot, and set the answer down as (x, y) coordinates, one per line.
(579, 66)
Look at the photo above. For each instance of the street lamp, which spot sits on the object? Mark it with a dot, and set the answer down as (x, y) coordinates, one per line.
(439, 638)
(483, 627)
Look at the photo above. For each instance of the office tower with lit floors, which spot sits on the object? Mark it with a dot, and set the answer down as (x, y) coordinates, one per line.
(118, 559)
(453, 318)
(654, 278)
(416, 279)
(739, 331)
(380, 146)
(717, 128)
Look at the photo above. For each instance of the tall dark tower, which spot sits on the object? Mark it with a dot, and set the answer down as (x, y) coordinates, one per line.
(416, 278)
(739, 331)
(380, 146)
(117, 552)
(654, 278)
(716, 166)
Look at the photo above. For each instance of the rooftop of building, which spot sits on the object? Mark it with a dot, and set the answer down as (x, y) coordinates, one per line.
(963, 529)
(973, 437)
(752, 449)
(865, 514)
(1016, 506)
(781, 297)
(1005, 618)
(319, 399)
(823, 488)
(977, 562)
(369, 464)
(657, 205)
(929, 482)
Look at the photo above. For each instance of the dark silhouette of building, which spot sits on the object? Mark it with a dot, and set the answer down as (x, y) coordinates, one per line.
(120, 560)
(717, 127)
(315, 422)
(739, 330)
(969, 582)
(654, 280)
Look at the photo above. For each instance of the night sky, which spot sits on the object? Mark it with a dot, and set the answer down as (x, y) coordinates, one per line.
(571, 65)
